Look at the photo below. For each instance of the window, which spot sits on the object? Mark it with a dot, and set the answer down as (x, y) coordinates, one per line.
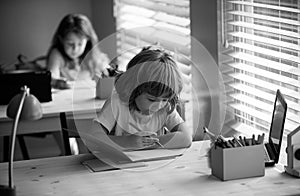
(262, 39)
(148, 22)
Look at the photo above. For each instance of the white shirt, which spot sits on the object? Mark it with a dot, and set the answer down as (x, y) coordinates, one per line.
(116, 115)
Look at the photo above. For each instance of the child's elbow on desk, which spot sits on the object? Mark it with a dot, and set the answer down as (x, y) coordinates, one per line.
(182, 137)
(187, 135)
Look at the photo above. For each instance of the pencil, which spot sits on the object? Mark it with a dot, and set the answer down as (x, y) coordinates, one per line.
(158, 143)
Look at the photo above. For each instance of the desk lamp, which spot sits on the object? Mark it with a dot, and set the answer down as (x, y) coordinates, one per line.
(22, 106)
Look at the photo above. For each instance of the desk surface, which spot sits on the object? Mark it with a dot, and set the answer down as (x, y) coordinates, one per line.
(80, 97)
(79, 100)
(186, 175)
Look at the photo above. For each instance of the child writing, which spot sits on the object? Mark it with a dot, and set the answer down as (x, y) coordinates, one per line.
(73, 53)
(141, 110)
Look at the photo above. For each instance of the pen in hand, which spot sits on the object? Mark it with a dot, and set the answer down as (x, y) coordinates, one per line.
(158, 143)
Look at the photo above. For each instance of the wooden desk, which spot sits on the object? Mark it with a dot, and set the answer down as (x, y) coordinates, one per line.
(187, 175)
(80, 99)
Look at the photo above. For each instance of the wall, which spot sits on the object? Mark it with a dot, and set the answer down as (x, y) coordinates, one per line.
(205, 80)
(27, 26)
(105, 26)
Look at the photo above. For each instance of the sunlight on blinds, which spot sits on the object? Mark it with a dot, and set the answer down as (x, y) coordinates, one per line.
(147, 22)
(263, 55)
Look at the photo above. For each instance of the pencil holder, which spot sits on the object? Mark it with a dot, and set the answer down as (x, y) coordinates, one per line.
(238, 162)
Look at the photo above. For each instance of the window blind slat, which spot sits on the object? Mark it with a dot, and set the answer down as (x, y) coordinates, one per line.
(264, 5)
(266, 117)
(179, 10)
(179, 21)
(265, 40)
(135, 10)
(180, 3)
(252, 101)
(264, 28)
(265, 62)
(265, 17)
(262, 106)
(246, 129)
(266, 96)
(264, 73)
(251, 111)
(264, 84)
(167, 40)
(267, 52)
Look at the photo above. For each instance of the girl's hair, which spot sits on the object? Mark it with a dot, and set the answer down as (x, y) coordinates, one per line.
(151, 71)
(78, 24)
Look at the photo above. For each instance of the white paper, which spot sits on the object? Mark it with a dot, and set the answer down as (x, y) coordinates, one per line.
(109, 152)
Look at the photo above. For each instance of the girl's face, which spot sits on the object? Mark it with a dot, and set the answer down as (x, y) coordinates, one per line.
(148, 104)
(74, 45)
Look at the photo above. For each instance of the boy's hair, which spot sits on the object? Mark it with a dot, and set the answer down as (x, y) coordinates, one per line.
(151, 71)
(78, 24)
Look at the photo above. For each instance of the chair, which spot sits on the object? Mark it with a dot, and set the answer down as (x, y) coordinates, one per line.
(24, 151)
(70, 135)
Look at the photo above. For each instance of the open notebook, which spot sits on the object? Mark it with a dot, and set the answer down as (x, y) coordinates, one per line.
(111, 156)
(137, 159)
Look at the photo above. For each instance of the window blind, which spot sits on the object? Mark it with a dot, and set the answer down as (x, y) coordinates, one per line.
(149, 22)
(263, 49)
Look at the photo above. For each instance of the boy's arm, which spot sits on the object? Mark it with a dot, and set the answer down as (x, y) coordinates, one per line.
(179, 137)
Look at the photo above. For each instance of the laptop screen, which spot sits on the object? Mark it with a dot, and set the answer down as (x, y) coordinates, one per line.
(277, 123)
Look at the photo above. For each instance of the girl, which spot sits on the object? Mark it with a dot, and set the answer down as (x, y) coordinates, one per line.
(141, 111)
(73, 50)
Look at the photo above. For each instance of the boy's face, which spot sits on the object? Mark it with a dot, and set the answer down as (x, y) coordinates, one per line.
(74, 45)
(148, 104)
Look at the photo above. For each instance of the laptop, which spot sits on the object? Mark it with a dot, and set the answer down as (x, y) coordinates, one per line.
(39, 83)
(272, 147)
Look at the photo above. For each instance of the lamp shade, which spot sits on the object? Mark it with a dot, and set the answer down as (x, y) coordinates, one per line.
(32, 109)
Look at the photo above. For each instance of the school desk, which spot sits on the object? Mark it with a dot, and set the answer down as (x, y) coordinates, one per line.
(80, 99)
(185, 175)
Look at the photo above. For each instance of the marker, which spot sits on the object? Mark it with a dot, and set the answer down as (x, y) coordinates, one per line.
(210, 134)
(231, 143)
(248, 143)
(253, 140)
(237, 141)
(242, 141)
(260, 139)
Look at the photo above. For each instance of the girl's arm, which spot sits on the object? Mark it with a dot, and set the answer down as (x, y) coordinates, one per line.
(97, 64)
(179, 137)
(54, 62)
